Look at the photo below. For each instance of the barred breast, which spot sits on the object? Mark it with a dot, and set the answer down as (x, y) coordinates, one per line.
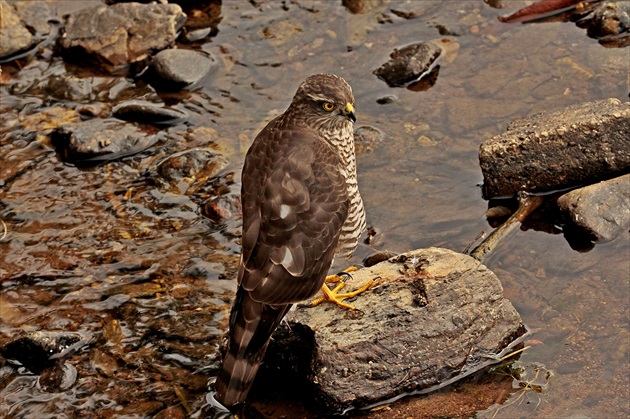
(355, 223)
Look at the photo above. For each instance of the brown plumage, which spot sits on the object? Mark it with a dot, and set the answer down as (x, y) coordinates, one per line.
(301, 206)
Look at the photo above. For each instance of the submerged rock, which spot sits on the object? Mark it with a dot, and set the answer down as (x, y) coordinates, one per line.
(188, 171)
(559, 149)
(433, 317)
(122, 34)
(174, 69)
(39, 350)
(71, 88)
(367, 138)
(602, 210)
(148, 112)
(58, 378)
(98, 140)
(409, 64)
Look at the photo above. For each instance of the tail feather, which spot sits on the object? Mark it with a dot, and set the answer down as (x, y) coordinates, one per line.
(251, 326)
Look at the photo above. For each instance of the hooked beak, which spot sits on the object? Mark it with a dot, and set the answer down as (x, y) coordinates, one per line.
(349, 112)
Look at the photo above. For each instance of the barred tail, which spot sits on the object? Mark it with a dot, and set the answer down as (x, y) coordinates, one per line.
(251, 326)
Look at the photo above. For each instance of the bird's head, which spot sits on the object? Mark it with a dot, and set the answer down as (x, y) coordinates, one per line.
(327, 101)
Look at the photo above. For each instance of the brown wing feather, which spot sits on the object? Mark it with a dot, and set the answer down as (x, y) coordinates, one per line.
(294, 204)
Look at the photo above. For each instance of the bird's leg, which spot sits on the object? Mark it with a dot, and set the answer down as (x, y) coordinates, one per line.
(334, 296)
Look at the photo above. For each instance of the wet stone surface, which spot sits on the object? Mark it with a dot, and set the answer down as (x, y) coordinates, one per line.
(17, 17)
(409, 64)
(115, 36)
(433, 316)
(96, 141)
(148, 113)
(609, 23)
(601, 209)
(175, 69)
(41, 349)
(558, 149)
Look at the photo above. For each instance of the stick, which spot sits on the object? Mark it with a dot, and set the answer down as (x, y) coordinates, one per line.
(527, 205)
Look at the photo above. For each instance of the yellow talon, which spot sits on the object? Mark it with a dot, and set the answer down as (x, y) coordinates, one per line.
(336, 278)
(333, 295)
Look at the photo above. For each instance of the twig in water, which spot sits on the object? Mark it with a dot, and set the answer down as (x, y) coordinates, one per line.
(527, 205)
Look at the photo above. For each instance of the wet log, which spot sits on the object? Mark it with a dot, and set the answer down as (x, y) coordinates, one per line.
(602, 210)
(548, 151)
(433, 317)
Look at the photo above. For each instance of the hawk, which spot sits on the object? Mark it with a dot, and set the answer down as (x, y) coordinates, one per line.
(301, 207)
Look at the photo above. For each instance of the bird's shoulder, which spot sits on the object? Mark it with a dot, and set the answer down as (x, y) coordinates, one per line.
(280, 144)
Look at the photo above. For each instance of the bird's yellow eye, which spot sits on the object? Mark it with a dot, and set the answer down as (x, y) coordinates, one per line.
(328, 107)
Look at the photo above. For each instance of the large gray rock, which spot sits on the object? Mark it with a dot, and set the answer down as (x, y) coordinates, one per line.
(175, 69)
(14, 36)
(433, 317)
(602, 209)
(118, 35)
(560, 149)
(99, 140)
(35, 15)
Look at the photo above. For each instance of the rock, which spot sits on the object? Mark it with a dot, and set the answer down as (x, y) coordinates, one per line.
(35, 15)
(39, 350)
(14, 36)
(58, 378)
(103, 363)
(205, 14)
(433, 317)
(367, 138)
(409, 64)
(602, 209)
(609, 23)
(98, 140)
(386, 100)
(222, 210)
(189, 170)
(69, 88)
(149, 113)
(174, 69)
(187, 327)
(559, 149)
(200, 268)
(198, 35)
(122, 34)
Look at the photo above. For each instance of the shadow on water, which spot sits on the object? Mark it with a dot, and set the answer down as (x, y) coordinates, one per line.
(138, 251)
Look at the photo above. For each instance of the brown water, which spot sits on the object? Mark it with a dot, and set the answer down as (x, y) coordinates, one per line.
(113, 252)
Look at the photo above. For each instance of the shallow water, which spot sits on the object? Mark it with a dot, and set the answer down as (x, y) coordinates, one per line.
(112, 251)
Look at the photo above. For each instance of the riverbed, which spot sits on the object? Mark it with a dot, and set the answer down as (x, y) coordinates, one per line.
(144, 267)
